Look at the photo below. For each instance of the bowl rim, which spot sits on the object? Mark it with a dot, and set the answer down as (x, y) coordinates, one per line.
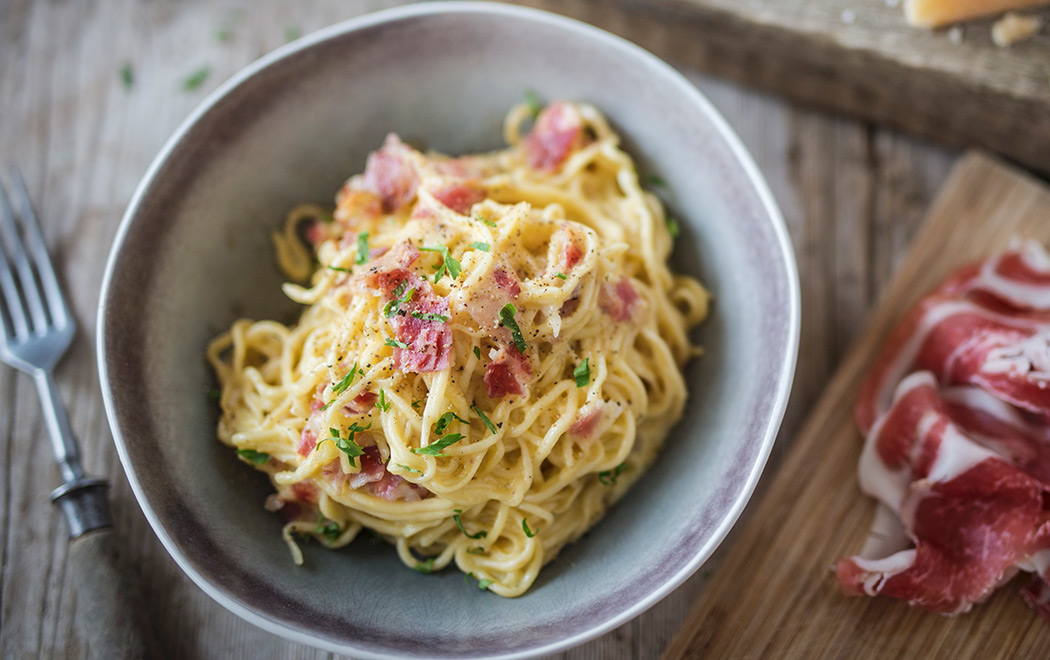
(786, 371)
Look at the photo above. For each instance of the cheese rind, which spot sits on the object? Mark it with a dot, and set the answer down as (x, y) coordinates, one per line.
(934, 13)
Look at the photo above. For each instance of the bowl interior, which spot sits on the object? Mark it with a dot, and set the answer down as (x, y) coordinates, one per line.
(194, 254)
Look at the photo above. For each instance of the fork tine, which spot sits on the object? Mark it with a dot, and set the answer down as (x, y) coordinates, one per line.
(56, 302)
(13, 302)
(29, 289)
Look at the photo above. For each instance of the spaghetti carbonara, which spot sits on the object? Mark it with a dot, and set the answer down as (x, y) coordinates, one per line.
(489, 356)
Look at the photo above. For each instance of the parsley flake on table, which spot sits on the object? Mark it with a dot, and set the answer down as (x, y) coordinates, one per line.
(506, 316)
(257, 457)
(127, 76)
(196, 79)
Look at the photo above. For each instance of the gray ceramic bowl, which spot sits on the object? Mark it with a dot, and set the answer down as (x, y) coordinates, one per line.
(193, 254)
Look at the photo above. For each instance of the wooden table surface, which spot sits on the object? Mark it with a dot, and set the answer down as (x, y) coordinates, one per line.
(852, 195)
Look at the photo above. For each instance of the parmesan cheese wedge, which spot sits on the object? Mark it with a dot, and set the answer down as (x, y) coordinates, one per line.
(934, 13)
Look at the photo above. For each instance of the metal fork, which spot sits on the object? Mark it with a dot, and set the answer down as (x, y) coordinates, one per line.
(37, 329)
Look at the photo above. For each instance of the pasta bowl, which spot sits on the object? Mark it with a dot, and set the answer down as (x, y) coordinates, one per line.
(194, 253)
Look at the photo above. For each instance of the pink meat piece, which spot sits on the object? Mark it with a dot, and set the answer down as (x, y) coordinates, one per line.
(360, 404)
(307, 441)
(557, 133)
(508, 373)
(619, 300)
(391, 173)
(584, 426)
(460, 196)
(498, 289)
(973, 518)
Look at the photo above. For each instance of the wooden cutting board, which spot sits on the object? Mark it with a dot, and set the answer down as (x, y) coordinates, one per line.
(857, 57)
(774, 595)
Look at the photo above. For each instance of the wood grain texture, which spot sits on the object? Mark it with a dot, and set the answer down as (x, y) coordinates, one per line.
(860, 58)
(852, 196)
(775, 594)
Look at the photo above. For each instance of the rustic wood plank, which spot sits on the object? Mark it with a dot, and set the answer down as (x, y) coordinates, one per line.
(776, 584)
(83, 141)
(861, 59)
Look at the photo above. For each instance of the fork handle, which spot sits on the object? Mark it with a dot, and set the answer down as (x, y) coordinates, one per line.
(115, 619)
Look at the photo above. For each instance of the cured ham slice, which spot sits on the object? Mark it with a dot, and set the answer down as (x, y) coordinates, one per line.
(619, 300)
(957, 421)
(459, 197)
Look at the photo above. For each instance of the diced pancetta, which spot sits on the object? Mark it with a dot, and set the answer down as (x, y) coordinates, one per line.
(508, 373)
(619, 300)
(585, 425)
(391, 174)
(485, 300)
(360, 404)
(459, 196)
(557, 133)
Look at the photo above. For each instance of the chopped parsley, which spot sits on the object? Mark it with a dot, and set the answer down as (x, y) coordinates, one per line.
(561, 276)
(434, 448)
(455, 516)
(449, 265)
(292, 32)
(196, 79)
(608, 477)
(506, 316)
(401, 296)
(426, 566)
(340, 269)
(655, 180)
(440, 318)
(525, 526)
(396, 344)
(329, 531)
(484, 419)
(533, 102)
(673, 228)
(487, 222)
(582, 373)
(381, 402)
(476, 550)
(341, 386)
(327, 217)
(347, 444)
(484, 584)
(442, 423)
(223, 34)
(484, 247)
(477, 352)
(362, 248)
(257, 457)
(407, 469)
(416, 404)
(127, 76)
(213, 394)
